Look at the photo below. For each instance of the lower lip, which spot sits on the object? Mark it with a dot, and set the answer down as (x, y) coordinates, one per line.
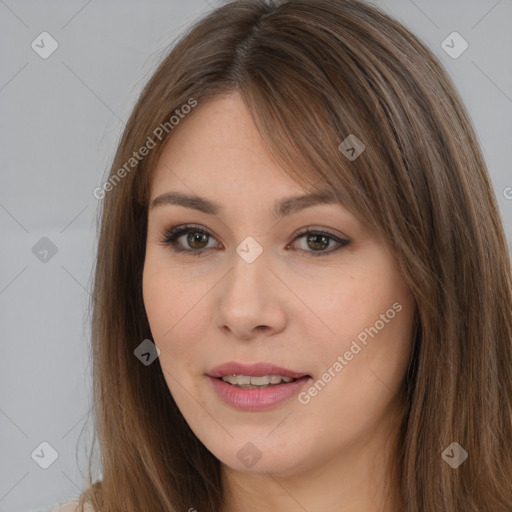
(256, 399)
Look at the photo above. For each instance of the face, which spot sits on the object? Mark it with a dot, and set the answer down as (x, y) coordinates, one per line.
(241, 291)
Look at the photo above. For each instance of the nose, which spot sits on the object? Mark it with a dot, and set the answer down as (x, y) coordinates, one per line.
(250, 302)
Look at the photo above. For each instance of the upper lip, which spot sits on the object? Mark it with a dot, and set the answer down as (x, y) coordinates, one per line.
(253, 370)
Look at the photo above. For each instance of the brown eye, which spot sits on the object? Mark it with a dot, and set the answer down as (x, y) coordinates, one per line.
(318, 241)
(197, 240)
(195, 237)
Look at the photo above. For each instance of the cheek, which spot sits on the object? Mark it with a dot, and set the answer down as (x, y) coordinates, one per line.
(373, 307)
(374, 352)
(350, 302)
(176, 317)
(165, 299)
(158, 303)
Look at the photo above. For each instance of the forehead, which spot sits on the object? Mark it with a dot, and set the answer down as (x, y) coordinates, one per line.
(216, 162)
(218, 148)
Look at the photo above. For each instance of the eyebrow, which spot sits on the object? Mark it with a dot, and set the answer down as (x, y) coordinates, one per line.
(281, 208)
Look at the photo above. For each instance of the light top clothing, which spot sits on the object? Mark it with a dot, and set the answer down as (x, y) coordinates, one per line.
(68, 506)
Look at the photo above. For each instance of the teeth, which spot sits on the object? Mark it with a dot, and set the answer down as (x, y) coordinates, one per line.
(247, 381)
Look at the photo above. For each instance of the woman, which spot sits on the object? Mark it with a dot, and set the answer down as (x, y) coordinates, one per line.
(350, 350)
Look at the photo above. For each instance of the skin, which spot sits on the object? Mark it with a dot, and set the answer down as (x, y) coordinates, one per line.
(290, 308)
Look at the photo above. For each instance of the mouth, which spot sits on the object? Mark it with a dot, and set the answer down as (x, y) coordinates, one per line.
(251, 382)
(256, 387)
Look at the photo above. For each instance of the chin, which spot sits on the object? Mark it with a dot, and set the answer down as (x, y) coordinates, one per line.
(260, 455)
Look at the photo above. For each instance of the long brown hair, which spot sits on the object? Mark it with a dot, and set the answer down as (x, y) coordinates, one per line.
(312, 73)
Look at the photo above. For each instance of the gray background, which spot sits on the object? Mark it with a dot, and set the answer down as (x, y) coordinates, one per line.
(61, 119)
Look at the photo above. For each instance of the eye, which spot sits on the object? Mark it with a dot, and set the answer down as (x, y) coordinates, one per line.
(197, 239)
(319, 240)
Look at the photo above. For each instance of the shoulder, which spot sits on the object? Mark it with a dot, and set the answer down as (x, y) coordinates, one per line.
(70, 506)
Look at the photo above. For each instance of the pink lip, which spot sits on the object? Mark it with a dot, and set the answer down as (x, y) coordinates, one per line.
(253, 370)
(255, 399)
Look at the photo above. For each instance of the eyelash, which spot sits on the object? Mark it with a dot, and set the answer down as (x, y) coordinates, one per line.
(173, 234)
